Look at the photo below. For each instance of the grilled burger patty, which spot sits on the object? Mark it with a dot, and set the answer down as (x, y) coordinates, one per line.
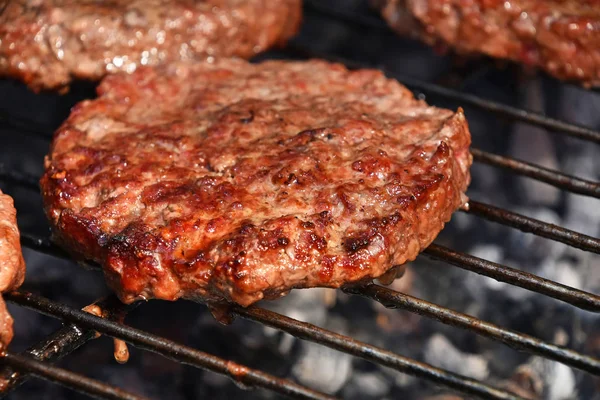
(240, 181)
(561, 37)
(48, 43)
(12, 266)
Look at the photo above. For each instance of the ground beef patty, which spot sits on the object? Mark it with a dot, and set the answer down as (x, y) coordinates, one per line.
(241, 181)
(48, 43)
(12, 266)
(561, 37)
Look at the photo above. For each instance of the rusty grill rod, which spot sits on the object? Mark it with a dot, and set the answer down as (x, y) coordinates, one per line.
(240, 374)
(532, 225)
(371, 353)
(393, 299)
(514, 339)
(578, 298)
(61, 343)
(346, 344)
(187, 355)
(549, 176)
(503, 110)
(68, 379)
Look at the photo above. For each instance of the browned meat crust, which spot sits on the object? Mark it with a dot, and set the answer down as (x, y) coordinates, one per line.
(12, 266)
(240, 181)
(561, 37)
(48, 43)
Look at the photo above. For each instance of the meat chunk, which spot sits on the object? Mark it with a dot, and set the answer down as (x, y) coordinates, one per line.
(561, 37)
(12, 265)
(49, 43)
(237, 181)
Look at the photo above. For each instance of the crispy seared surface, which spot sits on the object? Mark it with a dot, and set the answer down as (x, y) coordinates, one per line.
(12, 266)
(240, 181)
(559, 36)
(47, 43)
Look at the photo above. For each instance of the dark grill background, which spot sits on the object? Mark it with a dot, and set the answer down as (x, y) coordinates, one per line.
(350, 31)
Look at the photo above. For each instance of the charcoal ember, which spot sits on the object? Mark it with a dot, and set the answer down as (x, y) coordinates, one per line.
(534, 145)
(525, 383)
(529, 250)
(579, 158)
(322, 368)
(582, 214)
(546, 379)
(367, 385)
(305, 305)
(479, 287)
(439, 351)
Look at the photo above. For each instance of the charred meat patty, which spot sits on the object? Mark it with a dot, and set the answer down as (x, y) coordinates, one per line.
(561, 37)
(237, 181)
(12, 265)
(47, 43)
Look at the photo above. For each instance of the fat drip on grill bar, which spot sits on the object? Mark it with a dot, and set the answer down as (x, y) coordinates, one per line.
(121, 352)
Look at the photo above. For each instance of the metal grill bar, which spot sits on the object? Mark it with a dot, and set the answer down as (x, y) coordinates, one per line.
(503, 110)
(371, 353)
(550, 176)
(61, 343)
(578, 298)
(68, 379)
(392, 299)
(360, 349)
(240, 374)
(531, 225)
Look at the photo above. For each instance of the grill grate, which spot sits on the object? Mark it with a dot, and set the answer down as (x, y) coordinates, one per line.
(83, 326)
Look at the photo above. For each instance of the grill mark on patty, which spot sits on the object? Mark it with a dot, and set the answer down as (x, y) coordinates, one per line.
(325, 186)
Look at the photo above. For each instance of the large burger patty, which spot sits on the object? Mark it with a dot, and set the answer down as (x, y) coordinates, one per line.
(559, 36)
(12, 266)
(240, 181)
(47, 43)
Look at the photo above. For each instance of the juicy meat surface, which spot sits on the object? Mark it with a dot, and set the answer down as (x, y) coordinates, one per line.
(47, 43)
(561, 37)
(237, 181)
(12, 265)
